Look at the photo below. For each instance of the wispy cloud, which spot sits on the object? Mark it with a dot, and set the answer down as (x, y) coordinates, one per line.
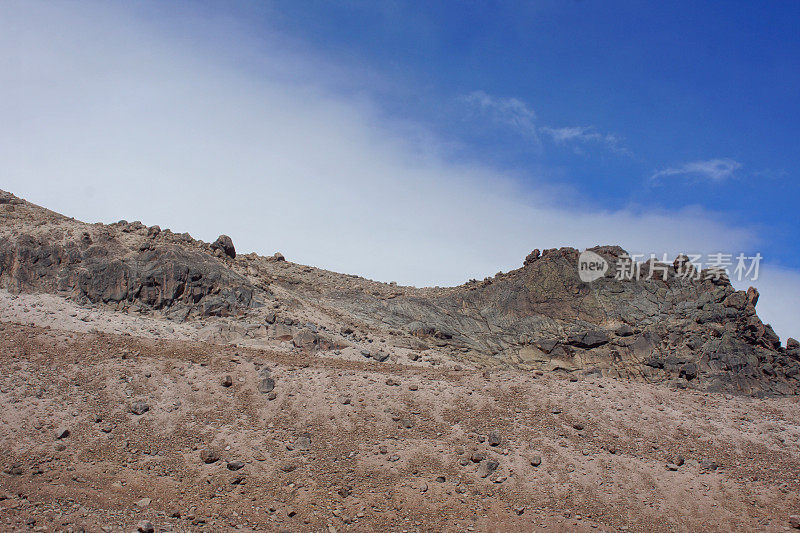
(714, 170)
(507, 111)
(586, 135)
(521, 117)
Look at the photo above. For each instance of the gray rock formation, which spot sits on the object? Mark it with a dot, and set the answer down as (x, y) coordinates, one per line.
(693, 332)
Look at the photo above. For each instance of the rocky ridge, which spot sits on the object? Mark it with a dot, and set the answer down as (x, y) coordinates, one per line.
(698, 333)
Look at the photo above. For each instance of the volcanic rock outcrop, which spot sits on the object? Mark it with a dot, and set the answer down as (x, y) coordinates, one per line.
(695, 331)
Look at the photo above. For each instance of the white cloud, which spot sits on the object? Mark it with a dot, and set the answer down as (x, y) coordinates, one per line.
(107, 117)
(521, 117)
(584, 134)
(507, 111)
(715, 170)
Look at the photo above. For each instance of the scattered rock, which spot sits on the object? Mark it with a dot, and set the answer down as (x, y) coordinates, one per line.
(487, 467)
(235, 465)
(209, 455)
(288, 467)
(266, 385)
(303, 442)
(139, 407)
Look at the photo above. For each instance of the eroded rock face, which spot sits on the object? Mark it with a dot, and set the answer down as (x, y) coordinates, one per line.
(695, 332)
(100, 267)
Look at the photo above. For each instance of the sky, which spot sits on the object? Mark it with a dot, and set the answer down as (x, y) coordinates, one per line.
(423, 143)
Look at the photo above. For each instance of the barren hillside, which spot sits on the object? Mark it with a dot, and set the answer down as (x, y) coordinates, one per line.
(150, 380)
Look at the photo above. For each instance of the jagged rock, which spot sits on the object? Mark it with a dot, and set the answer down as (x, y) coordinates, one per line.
(752, 296)
(533, 256)
(624, 330)
(587, 339)
(541, 315)
(225, 244)
(689, 371)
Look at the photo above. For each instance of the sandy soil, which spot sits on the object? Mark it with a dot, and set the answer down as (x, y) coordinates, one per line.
(349, 444)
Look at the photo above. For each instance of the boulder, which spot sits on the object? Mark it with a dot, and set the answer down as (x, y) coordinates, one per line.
(224, 244)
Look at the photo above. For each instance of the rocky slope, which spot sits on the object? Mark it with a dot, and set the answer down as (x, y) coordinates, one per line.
(152, 382)
(689, 332)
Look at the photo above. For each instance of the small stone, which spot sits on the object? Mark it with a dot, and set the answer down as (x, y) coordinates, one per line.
(209, 456)
(139, 407)
(145, 526)
(708, 466)
(494, 439)
(144, 502)
(235, 465)
(487, 467)
(536, 460)
(288, 467)
(413, 387)
(519, 510)
(672, 467)
(303, 442)
(477, 457)
(227, 381)
(679, 460)
(380, 356)
(266, 385)
(272, 395)
(62, 433)
(794, 521)
(578, 426)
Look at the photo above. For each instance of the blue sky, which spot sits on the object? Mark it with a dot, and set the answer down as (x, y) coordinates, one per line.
(674, 82)
(425, 143)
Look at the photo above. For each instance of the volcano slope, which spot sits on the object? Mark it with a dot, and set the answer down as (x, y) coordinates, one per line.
(153, 380)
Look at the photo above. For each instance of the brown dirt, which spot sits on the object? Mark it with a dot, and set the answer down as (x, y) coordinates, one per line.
(374, 446)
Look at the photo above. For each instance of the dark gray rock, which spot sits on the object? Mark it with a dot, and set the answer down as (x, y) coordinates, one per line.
(224, 244)
(266, 385)
(587, 339)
